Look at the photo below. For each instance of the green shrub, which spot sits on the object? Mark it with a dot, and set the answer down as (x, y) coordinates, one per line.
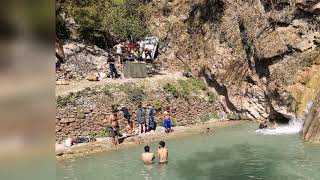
(120, 18)
(106, 91)
(172, 89)
(135, 94)
(160, 124)
(103, 133)
(205, 118)
(208, 117)
(199, 84)
(212, 97)
(184, 88)
(173, 122)
(70, 99)
(157, 105)
(187, 73)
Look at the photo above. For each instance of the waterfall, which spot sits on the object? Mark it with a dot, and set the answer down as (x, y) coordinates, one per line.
(293, 127)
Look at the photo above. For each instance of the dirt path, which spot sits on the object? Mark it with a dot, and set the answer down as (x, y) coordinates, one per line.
(62, 90)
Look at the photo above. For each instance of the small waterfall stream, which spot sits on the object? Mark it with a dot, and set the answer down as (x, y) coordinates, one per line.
(293, 127)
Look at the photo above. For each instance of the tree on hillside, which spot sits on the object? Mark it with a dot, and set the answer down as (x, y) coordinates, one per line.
(104, 18)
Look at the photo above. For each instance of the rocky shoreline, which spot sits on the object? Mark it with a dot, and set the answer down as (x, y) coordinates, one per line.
(104, 145)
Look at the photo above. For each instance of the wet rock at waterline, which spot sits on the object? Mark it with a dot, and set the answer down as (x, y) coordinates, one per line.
(311, 129)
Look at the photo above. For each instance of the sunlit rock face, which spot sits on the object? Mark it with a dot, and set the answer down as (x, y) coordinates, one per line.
(311, 130)
(251, 53)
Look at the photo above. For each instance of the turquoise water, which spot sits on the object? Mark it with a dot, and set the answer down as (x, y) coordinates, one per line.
(235, 153)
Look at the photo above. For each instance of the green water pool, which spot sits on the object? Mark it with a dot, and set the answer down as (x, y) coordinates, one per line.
(233, 153)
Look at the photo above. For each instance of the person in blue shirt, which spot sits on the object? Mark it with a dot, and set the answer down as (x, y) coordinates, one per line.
(167, 122)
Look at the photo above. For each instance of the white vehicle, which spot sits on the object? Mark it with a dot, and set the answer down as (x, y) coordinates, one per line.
(150, 44)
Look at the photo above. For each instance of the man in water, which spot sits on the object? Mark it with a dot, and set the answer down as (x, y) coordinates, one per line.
(263, 125)
(162, 152)
(274, 124)
(115, 128)
(147, 156)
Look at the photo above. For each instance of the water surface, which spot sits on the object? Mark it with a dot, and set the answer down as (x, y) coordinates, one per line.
(236, 153)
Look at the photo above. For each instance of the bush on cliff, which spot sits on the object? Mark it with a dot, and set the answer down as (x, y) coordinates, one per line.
(185, 88)
(119, 18)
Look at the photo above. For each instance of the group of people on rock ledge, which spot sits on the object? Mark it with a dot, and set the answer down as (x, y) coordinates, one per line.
(144, 124)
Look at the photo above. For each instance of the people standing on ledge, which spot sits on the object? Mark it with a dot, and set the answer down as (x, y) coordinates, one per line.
(119, 52)
(112, 68)
(151, 113)
(162, 152)
(127, 116)
(147, 156)
(167, 121)
(115, 133)
(141, 118)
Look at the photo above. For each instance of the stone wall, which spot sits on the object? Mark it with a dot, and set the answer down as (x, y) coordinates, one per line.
(86, 112)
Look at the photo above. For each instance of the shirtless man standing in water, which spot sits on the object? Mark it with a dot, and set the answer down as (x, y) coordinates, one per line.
(147, 156)
(115, 128)
(162, 153)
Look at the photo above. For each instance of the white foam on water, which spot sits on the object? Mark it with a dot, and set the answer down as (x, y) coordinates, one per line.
(294, 127)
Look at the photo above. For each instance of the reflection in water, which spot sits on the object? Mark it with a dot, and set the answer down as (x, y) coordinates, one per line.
(146, 172)
(162, 169)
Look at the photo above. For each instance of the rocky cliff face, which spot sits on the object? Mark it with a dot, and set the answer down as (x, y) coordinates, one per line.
(311, 130)
(251, 52)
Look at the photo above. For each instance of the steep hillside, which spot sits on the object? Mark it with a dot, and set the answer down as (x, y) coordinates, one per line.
(251, 52)
(261, 57)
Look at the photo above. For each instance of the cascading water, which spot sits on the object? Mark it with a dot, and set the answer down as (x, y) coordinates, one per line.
(293, 127)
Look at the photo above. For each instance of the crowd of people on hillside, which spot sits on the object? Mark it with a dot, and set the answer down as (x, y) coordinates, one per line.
(128, 51)
(145, 121)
